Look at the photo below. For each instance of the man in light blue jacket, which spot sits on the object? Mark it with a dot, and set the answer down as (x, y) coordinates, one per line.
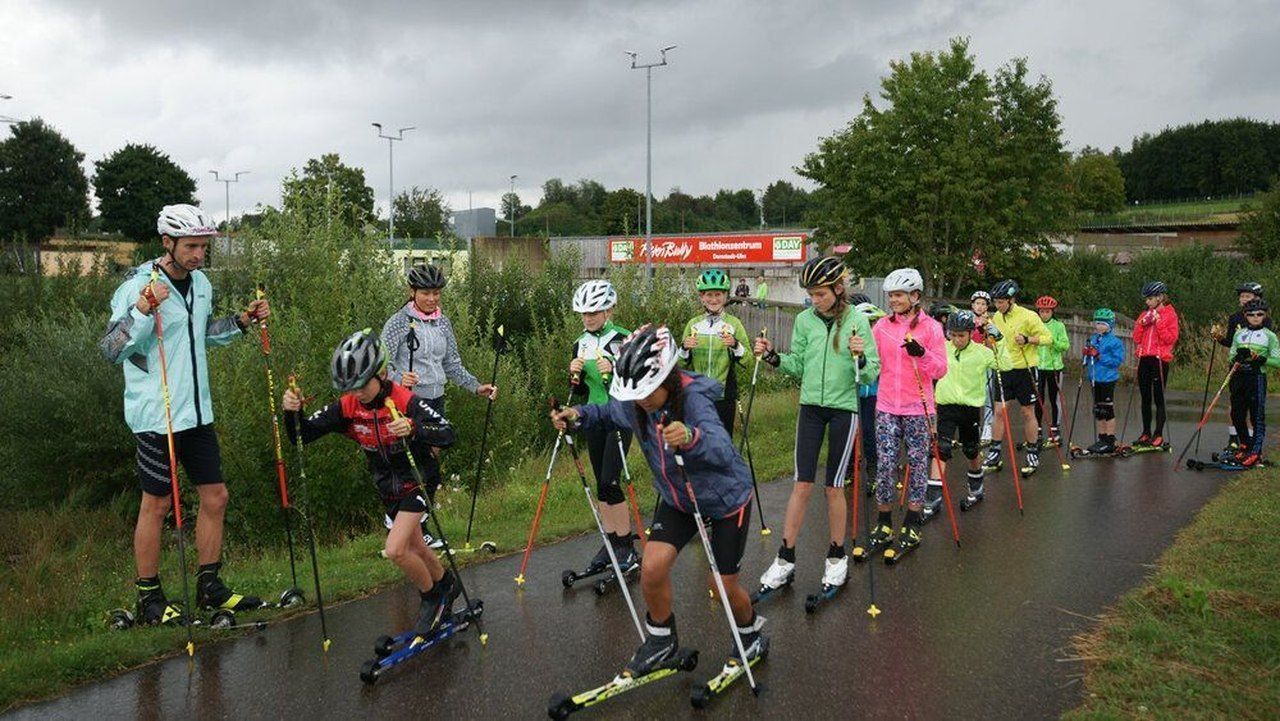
(174, 287)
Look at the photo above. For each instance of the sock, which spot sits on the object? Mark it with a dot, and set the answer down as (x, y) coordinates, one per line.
(787, 554)
(836, 550)
(912, 519)
(975, 480)
(207, 568)
(148, 584)
(662, 628)
(751, 626)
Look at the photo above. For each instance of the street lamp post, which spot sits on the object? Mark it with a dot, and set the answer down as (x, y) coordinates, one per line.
(226, 183)
(648, 152)
(511, 209)
(391, 178)
(761, 192)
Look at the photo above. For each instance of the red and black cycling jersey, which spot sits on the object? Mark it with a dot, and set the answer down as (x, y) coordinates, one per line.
(383, 451)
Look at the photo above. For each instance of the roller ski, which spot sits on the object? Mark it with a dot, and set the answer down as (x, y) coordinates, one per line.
(779, 575)
(908, 541)
(1234, 462)
(213, 595)
(598, 566)
(153, 609)
(833, 579)
(1147, 444)
(658, 657)
(881, 538)
(932, 500)
(757, 647)
(1032, 461)
(628, 561)
(1102, 449)
(391, 651)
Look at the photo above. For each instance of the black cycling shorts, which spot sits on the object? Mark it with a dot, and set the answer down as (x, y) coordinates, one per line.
(412, 503)
(197, 450)
(1018, 386)
(728, 534)
(965, 421)
(811, 424)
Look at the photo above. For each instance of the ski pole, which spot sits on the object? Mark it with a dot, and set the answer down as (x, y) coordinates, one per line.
(1159, 366)
(711, 559)
(1213, 353)
(937, 454)
(1044, 414)
(1205, 417)
(498, 346)
(173, 455)
(311, 529)
(604, 536)
(542, 499)
(746, 440)
(1008, 434)
(431, 513)
(1075, 407)
(626, 471)
(281, 480)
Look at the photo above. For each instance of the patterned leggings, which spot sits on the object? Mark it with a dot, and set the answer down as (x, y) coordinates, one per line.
(891, 432)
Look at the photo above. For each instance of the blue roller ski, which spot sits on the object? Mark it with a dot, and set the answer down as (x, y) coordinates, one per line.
(391, 651)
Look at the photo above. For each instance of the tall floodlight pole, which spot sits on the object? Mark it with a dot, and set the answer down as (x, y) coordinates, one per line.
(761, 192)
(648, 152)
(226, 185)
(391, 178)
(511, 207)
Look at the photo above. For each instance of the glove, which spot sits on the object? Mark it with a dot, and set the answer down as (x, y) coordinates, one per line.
(1149, 318)
(1091, 351)
(1244, 355)
(914, 349)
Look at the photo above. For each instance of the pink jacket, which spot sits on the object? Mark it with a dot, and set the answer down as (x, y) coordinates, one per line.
(899, 390)
(1156, 332)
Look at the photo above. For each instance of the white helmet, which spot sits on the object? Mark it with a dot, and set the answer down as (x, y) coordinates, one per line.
(594, 296)
(182, 220)
(644, 362)
(904, 279)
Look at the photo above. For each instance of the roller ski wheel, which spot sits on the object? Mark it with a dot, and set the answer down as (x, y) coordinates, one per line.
(410, 644)
(814, 600)
(484, 547)
(908, 541)
(701, 695)
(291, 598)
(384, 646)
(369, 672)
(562, 705)
(222, 619)
(602, 586)
(570, 577)
(120, 619)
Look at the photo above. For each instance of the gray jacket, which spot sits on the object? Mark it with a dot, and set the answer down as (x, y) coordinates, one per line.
(436, 358)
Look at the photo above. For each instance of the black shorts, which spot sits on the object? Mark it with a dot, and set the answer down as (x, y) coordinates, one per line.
(197, 450)
(812, 422)
(1018, 386)
(1104, 392)
(607, 462)
(436, 404)
(412, 503)
(728, 534)
(965, 421)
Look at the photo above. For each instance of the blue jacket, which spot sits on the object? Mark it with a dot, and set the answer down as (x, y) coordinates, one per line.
(130, 341)
(721, 480)
(1106, 367)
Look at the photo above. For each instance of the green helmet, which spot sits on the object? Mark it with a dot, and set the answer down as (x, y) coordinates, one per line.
(714, 279)
(1104, 315)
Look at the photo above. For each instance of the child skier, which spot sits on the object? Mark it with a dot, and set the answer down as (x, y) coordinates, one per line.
(359, 372)
(987, 334)
(593, 355)
(960, 395)
(1154, 336)
(1254, 349)
(912, 356)
(867, 399)
(715, 342)
(832, 351)
(1020, 332)
(667, 408)
(1050, 371)
(1245, 292)
(1103, 356)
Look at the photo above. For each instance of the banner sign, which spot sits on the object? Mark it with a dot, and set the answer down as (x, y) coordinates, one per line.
(749, 249)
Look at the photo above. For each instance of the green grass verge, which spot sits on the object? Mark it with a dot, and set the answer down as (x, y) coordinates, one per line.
(1199, 210)
(65, 568)
(1201, 638)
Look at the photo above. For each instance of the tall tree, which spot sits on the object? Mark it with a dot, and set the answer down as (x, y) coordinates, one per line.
(784, 204)
(421, 213)
(133, 184)
(1210, 158)
(42, 185)
(952, 163)
(328, 178)
(1095, 182)
(1260, 228)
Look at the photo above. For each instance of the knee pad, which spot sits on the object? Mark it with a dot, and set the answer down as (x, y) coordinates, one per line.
(971, 450)
(1104, 411)
(944, 448)
(610, 493)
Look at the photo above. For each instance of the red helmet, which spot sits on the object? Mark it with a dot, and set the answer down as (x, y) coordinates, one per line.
(1046, 301)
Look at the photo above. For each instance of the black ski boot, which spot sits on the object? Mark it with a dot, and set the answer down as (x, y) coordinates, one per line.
(976, 492)
(212, 594)
(908, 540)
(153, 608)
(599, 562)
(660, 644)
(932, 499)
(992, 462)
(753, 640)
(1033, 460)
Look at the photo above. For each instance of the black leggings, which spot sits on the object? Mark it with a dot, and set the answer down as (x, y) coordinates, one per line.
(1049, 387)
(606, 462)
(1249, 404)
(1152, 374)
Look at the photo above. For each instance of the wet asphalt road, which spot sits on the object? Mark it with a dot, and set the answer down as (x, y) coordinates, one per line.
(979, 632)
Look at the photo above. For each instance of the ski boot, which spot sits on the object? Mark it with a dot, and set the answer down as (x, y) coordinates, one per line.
(932, 499)
(436, 605)
(908, 541)
(834, 575)
(976, 492)
(628, 561)
(660, 644)
(781, 573)
(1243, 461)
(1033, 460)
(1143, 441)
(1055, 437)
(992, 462)
(881, 537)
(213, 595)
(753, 639)
(154, 609)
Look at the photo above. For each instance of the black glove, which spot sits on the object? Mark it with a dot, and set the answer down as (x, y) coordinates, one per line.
(1243, 355)
(914, 349)
(772, 358)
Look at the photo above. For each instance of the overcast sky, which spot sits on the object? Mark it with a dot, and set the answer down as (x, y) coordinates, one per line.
(543, 89)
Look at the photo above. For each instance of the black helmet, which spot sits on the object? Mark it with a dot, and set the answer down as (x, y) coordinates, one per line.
(820, 272)
(426, 276)
(940, 311)
(1007, 289)
(961, 321)
(1250, 287)
(357, 359)
(1155, 287)
(1255, 305)
(859, 298)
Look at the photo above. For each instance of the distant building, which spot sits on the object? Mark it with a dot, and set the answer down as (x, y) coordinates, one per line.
(468, 224)
(446, 253)
(62, 255)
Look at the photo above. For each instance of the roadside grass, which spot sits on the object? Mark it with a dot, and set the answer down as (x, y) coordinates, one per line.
(66, 568)
(1201, 638)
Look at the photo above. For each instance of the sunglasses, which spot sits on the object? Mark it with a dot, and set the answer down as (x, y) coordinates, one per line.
(1255, 314)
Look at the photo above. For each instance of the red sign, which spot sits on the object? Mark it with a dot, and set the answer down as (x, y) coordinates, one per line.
(747, 248)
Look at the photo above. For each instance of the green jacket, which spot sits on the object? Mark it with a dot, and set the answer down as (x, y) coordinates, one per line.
(1051, 355)
(762, 291)
(590, 346)
(965, 383)
(1260, 341)
(820, 358)
(711, 358)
